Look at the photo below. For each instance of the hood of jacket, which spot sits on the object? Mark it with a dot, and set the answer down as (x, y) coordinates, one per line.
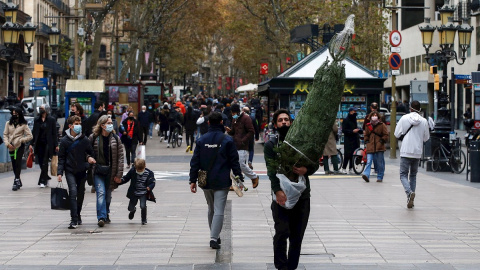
(70, 135)
(414, 118)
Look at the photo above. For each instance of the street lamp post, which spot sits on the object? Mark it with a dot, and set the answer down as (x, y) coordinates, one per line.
(54, 37)
(445, 54)
(10, 35)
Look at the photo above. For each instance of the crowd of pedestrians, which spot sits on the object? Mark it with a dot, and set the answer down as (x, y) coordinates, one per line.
(221, 136)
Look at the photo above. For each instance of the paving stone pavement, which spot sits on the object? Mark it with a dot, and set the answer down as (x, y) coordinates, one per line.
(353, 224)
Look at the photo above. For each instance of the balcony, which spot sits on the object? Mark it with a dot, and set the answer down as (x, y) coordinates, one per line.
(60, 6)
(53, 67)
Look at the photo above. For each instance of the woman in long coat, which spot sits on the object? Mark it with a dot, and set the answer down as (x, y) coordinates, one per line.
(330, 151)
(351, 138)
(376, 134)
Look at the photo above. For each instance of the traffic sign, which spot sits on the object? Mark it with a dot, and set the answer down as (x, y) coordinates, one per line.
(395, 61)
(395, 72)
(395, 38)
(395, 49)
(477, 124)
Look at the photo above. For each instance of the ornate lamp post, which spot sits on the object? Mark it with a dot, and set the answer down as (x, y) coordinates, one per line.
(11, 35)
(445, 54)
(54, 38)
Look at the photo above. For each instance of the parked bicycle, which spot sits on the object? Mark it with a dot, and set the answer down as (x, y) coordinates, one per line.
(455, 158)
(359, 160)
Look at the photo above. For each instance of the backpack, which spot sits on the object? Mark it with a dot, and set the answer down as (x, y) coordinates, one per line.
(172, 117)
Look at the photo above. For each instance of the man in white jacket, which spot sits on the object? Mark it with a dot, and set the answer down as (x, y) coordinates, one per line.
(416, 129)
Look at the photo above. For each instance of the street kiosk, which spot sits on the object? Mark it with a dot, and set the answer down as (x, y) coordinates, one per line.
(85, 92)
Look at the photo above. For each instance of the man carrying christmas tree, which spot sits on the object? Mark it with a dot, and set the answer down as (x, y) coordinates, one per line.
(289, 223)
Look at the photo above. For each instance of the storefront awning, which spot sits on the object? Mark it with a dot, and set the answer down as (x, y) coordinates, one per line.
(95, 86)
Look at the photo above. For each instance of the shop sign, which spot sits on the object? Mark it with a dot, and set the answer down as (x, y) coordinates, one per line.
(348, 88)
(302, 87)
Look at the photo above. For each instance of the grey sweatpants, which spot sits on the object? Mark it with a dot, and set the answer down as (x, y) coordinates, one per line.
(216, 201)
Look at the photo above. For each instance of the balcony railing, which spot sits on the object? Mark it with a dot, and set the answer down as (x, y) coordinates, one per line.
(60, 5)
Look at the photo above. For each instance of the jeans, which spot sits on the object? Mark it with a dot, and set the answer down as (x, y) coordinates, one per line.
(242, 158)
(134, 200)
(130, 153)
(409, 164)
(251, 146)
(216, 201)
(76, 190)
(104, 195)
(335, 161)
(289, 224)
(17, 162)
(150, 131)
(379, 166)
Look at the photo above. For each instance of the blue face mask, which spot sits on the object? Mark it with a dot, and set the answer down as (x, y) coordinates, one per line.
(109, 128)
(77, 129)
(235, 116)
(149, 107)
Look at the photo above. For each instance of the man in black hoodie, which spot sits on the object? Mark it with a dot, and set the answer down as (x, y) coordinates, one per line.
(92, 120)
(75, 150)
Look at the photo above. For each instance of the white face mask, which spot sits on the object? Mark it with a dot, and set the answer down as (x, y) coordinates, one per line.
(143, 110)
(374, 118)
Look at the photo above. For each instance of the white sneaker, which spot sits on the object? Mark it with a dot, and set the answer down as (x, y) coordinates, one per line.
(150, 137)
(42, 186)
(168, 145)
(165, 141)
(343, 171)
(180, 136)
(373, 173)
(351, 171)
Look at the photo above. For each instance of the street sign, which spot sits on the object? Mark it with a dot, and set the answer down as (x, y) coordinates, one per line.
(395, 61)
(395, 72)
(395, 38)
(395, 49)
(38, 84)
(419, 90)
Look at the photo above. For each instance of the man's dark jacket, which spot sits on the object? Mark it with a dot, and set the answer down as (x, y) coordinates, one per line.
(145, 118)
(226, 159)
(271, 161)
(51, 133)
(242, 131)
(351, 139)
(73, 160)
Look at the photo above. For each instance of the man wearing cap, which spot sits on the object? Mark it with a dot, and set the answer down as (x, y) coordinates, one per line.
(242, 132)
(351, 138)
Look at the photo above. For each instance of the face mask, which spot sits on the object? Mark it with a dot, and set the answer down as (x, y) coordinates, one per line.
(374, 118)
(77, 129)
(235, 116)
(143, 110)
(109, 128)
(283, 130)
(149, 107)
(14, 117)
(140, 173)
(72, 113)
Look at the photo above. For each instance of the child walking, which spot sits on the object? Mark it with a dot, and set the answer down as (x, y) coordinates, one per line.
(141, 186)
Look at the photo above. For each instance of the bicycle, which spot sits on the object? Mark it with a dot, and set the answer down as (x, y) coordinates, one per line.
(455, 158)
(176, 137)
(359, 160)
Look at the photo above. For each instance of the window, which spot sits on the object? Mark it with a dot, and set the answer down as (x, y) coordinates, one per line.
(412, 64)
(418, 61)
(103, 52)
(407, 66)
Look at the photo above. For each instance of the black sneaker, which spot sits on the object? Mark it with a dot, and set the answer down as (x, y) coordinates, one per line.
(219, 241)
(79, 222)
(101, 222)
(365, 178)
(131, 215)
(144, 222)
(73, 225)
(14, 187)
(411, 197)
(108, 221)
(214, 244)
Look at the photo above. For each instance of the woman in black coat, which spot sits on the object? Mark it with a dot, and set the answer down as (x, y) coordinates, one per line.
(131, 136)
(44, 143)
(163, 120)
(351, 139)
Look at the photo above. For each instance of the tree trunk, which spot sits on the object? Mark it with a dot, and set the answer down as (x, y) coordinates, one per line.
(96, 51)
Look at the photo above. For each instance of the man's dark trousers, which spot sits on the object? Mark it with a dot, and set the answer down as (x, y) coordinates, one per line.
(291, 224)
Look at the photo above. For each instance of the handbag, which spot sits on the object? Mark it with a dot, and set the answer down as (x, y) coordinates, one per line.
(59, 199)
(54, 165)
(150, 196)
(202, 174)
(30, 159)
(102, 169)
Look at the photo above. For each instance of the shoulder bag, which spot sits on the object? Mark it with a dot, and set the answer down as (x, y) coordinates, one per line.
(403, 135)
(202, 174)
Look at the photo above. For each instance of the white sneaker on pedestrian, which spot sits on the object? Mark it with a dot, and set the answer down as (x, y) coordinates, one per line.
(351, 171)
(42, 186)
(343, 171)
(373, 173)
(168, 145)
(150, 137)
(165, 141)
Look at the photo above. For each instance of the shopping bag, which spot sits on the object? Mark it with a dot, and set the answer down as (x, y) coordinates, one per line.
(30, 159)
(157, 127)
(59, 199)
(141, 152)
(292, 190)
(54, 166)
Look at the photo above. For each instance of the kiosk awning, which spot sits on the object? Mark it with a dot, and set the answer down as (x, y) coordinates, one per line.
(96, 86)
